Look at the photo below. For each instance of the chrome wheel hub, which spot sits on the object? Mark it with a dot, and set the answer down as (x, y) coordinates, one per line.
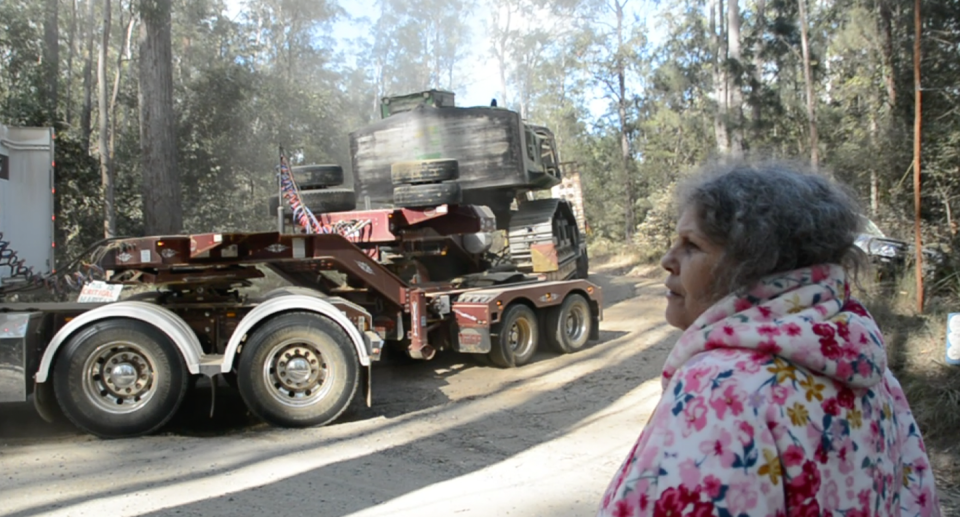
(297, 373)
(119, 377)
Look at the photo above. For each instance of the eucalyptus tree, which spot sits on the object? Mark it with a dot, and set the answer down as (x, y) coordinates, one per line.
(420, 45)
(614, 46)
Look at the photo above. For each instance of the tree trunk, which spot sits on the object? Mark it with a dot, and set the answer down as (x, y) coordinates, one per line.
(71, 48)
(757, 80)
(719, 78)
(162, 211)
(106, 174)
(51, 59)
(628, 215)
(808, 80)
(500, 50)
(734, 94)
(874, 174)
(85, 114)
(124, 49)
(886, 35)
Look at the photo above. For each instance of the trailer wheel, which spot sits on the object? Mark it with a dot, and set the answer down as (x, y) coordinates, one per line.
(319, 201)
(568, 325)
(310, 177)
(432, 194)
(298, 370)
(517, 337)
(119, 378)
(426, 171)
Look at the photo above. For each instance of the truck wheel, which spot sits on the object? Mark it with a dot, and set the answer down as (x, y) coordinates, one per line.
(319, 201)
(310, 177)
(517, 337)
(433, 194)
(427, 171)
(119, 378)
(568, 325)
(298, 370)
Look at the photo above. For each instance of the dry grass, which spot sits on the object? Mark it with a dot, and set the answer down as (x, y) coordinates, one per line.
(607, 256)
(916, 351)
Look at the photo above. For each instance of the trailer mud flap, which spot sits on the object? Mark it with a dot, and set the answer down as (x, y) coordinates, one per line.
(474, 340)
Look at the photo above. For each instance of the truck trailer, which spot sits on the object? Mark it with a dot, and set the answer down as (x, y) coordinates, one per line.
(298, 354)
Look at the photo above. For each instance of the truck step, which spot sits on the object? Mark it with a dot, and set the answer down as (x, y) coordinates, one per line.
(210, 364)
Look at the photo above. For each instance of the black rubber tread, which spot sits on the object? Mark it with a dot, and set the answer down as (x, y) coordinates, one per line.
(500, 352)
(432, 194)
(583, 265)
(425, 171)
(337, 351)
(309, 177)
(319, 201)
(555, 325)
(170, 371)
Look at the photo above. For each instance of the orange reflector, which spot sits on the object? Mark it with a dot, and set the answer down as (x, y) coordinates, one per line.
(231, 315)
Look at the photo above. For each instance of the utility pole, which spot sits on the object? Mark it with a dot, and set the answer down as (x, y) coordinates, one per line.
(918, 241)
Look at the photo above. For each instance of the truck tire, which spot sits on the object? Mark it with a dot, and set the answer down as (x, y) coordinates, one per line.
(427, 171)
(119, 378)
(433, 194)
(517, 336)
(298, 370)
(319, 201)
(567, 325)
(309, 177)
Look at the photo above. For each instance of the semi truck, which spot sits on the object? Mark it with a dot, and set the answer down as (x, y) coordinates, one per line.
(299, 355)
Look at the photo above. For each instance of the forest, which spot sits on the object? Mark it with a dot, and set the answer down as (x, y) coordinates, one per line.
(184, 103)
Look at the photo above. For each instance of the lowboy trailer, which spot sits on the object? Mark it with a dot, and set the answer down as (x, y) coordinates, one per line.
(298, 354)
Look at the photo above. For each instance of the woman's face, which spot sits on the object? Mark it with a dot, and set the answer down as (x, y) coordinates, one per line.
(691, 262)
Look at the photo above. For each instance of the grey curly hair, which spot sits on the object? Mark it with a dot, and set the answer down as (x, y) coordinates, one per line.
(771, 218)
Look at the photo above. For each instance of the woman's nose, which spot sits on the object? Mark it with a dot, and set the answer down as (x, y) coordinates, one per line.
(668, 262)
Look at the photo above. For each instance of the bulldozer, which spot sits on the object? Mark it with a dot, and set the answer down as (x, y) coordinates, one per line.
(425, 150)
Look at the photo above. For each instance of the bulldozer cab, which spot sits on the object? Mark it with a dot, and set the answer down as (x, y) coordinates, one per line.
(392, 105)
(541, 158)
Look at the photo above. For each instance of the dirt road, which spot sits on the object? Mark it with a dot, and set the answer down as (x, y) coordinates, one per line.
(446, 437)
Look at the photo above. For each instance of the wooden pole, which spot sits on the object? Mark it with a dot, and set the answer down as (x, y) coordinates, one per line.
(918, 242)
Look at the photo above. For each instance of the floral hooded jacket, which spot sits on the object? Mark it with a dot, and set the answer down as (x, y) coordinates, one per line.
(779, 403)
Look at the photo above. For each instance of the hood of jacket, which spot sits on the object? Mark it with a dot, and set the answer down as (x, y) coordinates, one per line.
(806, 316)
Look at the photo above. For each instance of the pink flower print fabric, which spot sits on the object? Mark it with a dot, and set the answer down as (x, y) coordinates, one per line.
(779, 403)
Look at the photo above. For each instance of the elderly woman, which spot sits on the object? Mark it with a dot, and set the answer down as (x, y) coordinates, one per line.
(777, 398)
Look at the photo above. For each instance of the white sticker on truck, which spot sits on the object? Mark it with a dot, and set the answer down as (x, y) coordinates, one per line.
(100, 292)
